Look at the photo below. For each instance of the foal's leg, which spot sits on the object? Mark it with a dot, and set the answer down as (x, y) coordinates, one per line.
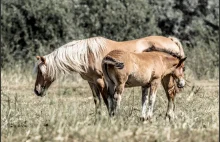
(118, 92)
(144, 102)
(152, 98)
(110, 91)
(96, 97)
(117, 97)
(169, 87)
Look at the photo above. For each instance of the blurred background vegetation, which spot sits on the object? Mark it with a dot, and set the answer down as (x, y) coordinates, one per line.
(37, 27)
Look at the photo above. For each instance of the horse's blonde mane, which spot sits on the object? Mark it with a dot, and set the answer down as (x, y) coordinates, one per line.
(73, 56)
(177, 41)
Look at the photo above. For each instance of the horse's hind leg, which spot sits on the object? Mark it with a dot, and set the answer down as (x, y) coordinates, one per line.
(168, 84)
(96, 97)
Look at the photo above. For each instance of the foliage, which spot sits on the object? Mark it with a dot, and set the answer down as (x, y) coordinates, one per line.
(37, 27)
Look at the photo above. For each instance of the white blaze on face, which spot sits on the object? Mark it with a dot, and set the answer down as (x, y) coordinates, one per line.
(38, 88)
(43, 69)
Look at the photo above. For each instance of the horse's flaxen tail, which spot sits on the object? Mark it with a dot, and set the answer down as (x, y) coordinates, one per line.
(176, 40)
(178, 43)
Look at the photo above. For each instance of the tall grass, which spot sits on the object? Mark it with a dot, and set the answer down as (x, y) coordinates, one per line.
(66, 113)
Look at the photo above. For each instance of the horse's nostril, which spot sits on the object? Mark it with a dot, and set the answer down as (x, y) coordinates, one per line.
(36, 92)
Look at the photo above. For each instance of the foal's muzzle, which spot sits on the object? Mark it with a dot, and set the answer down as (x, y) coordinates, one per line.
(181, 83)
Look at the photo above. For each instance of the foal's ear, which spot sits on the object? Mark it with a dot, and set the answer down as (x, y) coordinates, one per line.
(181, 61)
(41, 58)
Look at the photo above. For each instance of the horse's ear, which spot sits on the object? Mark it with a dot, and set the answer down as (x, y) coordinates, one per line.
(38, 57)
(41, 58)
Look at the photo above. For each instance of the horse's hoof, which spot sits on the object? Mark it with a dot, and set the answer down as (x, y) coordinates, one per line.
(170, 117)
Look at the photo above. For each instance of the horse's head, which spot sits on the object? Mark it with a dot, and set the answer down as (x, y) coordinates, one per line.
(178, 73)
(43, 81)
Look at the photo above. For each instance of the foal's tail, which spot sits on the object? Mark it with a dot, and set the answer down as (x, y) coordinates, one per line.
(108, 60)
(109, 79)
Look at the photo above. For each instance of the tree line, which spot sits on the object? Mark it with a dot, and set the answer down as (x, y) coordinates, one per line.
(30, 28)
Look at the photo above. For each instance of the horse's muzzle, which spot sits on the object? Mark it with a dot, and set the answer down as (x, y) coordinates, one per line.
(37, 93)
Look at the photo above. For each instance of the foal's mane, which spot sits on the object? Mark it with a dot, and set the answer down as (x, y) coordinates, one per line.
(174, 54)
(73, 56)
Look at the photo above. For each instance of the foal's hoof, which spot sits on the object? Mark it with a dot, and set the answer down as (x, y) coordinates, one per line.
(149, 119)
(142, 119)
(145, 119)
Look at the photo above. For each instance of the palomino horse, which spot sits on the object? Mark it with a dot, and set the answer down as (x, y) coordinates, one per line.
(127, 69)
(85, 57)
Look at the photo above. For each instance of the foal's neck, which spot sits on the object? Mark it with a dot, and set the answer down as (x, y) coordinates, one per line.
(170, 63)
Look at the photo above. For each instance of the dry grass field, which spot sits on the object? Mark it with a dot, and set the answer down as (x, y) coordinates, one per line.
(66, 113)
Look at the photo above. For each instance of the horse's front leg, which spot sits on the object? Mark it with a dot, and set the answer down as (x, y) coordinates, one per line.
(104, 93)
(96, 97)
(152, 98)
(169, 87)
(144, 101)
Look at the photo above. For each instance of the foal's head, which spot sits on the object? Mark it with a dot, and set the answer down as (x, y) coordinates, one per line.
(43, 81)
(178, 73)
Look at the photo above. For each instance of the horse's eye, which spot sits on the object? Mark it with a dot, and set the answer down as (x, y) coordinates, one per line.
(183, 68)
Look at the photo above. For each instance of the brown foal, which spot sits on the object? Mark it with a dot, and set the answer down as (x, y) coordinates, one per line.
(126, 69)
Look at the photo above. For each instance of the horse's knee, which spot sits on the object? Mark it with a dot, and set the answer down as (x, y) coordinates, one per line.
(102, 87)
(101, 84)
